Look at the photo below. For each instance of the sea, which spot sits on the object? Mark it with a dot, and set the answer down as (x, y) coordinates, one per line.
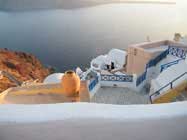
(70, 38)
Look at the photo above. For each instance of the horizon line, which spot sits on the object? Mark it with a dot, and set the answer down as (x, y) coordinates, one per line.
(145, 2)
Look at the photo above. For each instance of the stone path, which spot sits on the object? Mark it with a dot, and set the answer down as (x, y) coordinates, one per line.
(120, 96)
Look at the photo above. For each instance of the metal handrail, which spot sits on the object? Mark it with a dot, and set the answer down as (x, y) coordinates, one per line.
(171, 86)
(10, 77)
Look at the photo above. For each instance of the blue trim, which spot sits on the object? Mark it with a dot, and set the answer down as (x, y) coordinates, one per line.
(117, 78)
(93, 83)
(141, 78)
(151, 63)
(156, 60)
(165, 66)
(178, 52)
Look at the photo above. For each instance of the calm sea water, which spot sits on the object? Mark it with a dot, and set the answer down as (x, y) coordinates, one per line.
(69, 38)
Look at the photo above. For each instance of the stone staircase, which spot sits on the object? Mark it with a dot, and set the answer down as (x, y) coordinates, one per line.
(178, 93)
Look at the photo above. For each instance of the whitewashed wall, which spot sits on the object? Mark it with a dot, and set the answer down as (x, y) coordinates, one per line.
(152, 73)
(93, 122)
(120, 84)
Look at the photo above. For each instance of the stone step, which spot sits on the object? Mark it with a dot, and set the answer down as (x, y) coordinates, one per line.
(180, 98)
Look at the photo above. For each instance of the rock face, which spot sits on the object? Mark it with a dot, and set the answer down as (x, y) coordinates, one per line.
(22, 66)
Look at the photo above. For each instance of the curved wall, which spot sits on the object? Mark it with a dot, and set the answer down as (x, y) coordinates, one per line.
(94, 121)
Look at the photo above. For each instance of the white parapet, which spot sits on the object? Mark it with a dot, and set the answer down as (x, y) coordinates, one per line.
(94, 121)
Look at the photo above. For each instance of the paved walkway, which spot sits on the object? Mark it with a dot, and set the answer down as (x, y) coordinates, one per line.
(120, 96)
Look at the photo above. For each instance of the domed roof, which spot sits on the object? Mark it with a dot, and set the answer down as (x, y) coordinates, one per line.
(53, 78)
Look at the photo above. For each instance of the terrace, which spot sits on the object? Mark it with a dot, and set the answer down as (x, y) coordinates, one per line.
(120, 96)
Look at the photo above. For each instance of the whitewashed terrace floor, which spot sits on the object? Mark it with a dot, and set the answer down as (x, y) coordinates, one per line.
(119, 96)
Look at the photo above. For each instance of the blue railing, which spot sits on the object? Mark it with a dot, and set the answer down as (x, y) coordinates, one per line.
(165, 66)
(117, 78)
(151, 63)
(178, 52)
(93, 83)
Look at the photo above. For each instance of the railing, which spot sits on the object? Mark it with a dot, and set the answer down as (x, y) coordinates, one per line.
(11, 77)
(169, 84)
(178, 52)
(165, 66)
(172, 50)
(117, 78)
(93, 83)
(151, 63)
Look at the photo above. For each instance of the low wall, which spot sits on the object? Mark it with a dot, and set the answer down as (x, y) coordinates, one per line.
(93, 121)
(138, 57)
(43, 94)
(112, 80)
(128, 81)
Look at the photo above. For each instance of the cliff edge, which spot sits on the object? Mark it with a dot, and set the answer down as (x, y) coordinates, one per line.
(22, 66)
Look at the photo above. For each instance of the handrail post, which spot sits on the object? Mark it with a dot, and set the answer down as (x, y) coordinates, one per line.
(158, 93)
(171, 84)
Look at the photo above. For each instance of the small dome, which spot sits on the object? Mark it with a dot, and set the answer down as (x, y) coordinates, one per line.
(53, 78)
